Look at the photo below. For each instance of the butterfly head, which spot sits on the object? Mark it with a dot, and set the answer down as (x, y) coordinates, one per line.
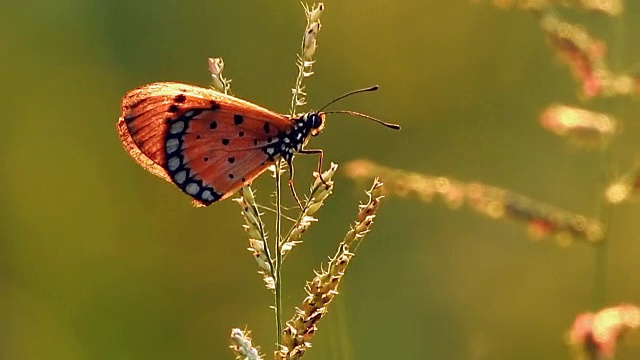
(314, 121)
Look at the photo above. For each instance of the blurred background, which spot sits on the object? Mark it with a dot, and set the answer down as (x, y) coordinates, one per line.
(101, 260)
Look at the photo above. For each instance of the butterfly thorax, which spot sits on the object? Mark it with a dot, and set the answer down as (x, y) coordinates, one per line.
(286, 144)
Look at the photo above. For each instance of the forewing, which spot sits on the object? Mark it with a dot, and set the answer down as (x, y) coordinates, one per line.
(207, 143)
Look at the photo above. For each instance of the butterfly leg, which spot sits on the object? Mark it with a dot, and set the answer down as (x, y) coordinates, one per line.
(306, 152)
(320, 154)
(293, 190)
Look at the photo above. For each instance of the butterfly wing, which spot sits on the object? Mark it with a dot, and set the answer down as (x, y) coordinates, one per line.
(207, 143)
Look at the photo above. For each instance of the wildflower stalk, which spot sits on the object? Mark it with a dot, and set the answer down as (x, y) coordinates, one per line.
(218, 82)
(604, 208)
(278, 272)
(304, 70)
(240, 340)
(323, 287)
(542, 220)
(596, 335)
(320, 190)
(307, 49)
(242, 346)
(257, 236)
(254, 225)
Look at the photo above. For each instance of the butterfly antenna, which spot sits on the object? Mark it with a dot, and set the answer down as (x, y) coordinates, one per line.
(389, 125)
(370, 88)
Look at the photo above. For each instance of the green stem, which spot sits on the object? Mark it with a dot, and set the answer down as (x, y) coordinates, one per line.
(297, 91)
(278, 277)
(604, 208)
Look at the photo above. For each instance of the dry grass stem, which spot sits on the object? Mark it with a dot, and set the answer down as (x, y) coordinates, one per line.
(305, 57)
(323, 288)
(606, 7)
(218, 82)
(543, 220)
(253, 223)
(584, 54)
(582, 127)
(304, 63)
(594, 336)
(623, 188)
(241, 345)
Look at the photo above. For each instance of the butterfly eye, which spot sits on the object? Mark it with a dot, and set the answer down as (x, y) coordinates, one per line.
(317, 123)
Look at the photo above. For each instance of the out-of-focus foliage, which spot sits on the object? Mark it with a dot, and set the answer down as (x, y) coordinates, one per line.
(101, 260)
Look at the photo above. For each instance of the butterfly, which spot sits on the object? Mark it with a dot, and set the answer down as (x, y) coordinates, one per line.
(210, 144)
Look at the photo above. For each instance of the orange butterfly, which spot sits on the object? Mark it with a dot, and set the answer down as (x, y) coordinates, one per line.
(210, 144)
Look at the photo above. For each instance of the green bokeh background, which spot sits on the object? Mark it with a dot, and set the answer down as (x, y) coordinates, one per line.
(101, 260)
